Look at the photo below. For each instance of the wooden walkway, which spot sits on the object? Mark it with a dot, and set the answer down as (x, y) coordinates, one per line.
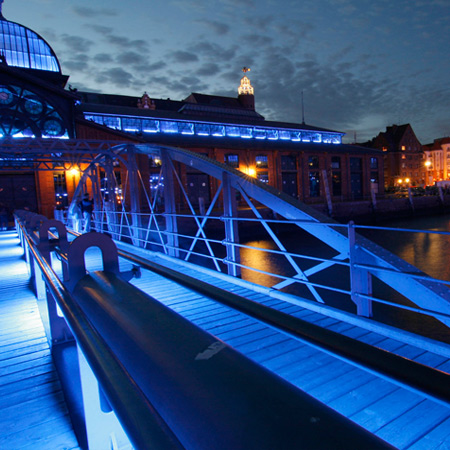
(33, 413)
(403, 418)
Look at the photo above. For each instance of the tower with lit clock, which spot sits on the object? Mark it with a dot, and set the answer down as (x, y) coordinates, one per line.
(33, 102)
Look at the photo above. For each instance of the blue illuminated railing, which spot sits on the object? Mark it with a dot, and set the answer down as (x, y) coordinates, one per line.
(145, 125)
(153, 235)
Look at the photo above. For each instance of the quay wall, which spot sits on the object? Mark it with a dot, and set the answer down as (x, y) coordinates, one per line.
(386, 208)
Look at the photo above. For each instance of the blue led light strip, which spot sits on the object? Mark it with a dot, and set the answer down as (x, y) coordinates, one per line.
(145, 126)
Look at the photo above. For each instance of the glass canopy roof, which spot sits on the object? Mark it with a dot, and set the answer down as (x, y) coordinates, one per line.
(21, 47)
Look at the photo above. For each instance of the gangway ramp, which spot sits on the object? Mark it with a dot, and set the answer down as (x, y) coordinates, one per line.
(405, 418)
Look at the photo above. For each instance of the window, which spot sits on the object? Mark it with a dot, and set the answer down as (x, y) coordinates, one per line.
(232, 160)
(336, 182)
(335, 162)
(263, 176)
(288, 162)
(59, 181)
(374, 163)
(314, 184)
(313, 162)
(261, 162)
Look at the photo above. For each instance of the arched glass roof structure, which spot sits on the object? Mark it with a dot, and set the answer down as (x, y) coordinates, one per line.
(22, 47)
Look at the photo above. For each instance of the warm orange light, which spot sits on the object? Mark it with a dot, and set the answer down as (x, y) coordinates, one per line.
(406, 180)
(74, 172)
(400, 181)
(427, 163)
(252, 172)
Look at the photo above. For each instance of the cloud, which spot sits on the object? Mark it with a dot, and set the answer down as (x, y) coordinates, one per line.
(116, 76)
(87, 12)
(214, 51)
(80, 64)
(181, 56)
(131, 58)
(76, 43)
(219, 28)
(208, 69)
(103, 58)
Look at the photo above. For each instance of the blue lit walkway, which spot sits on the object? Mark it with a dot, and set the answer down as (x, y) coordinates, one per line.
(33, 411)
(33, 414)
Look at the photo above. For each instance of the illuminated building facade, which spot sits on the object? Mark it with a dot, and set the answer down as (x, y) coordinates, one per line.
(404, 161)
(437, 160)
(306, 162)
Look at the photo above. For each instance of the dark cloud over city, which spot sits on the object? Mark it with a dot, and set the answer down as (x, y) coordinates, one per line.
(361, 65)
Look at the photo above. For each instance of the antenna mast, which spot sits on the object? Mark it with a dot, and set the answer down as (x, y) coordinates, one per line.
(303, 111)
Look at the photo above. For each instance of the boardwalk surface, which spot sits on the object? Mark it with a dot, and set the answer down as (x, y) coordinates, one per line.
(33, 413)
(405, 419)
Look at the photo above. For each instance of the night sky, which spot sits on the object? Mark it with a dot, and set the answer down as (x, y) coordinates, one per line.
(362, 64)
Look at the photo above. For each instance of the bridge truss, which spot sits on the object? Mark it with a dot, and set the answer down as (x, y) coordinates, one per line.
(161, 215)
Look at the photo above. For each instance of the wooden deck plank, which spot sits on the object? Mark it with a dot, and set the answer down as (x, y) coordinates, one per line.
(434, 440)
(414, 424)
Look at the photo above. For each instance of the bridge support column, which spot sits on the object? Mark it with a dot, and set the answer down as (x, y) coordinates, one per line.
(135, 198)
(110, 200)
(231, 226)
(360, 279)
(169, 205)
(103, 429)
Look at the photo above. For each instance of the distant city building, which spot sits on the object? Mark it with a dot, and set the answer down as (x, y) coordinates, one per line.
(437, 162)
(403, 157)
(306, 162)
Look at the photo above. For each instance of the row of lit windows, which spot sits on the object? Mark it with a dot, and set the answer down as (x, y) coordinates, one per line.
(141, 125)
(288, 162)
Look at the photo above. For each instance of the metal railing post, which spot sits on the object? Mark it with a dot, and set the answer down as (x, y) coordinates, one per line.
(169, 205)
(103, 429)
(360, 279)
(231, 226)
(135, 199)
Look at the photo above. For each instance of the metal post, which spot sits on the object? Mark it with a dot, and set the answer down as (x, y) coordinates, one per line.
(135, 199)
(231, 226)
(109, 203)
(102, 427)
(360, 279)
(327, 192)
(169, 204)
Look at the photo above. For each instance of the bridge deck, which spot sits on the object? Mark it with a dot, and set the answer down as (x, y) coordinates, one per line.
(33, 414)
(403, 418)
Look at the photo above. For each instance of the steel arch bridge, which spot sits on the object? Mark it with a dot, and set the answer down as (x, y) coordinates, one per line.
(151, 215)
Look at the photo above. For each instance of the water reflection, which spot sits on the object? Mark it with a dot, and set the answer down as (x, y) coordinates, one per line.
(428, 252)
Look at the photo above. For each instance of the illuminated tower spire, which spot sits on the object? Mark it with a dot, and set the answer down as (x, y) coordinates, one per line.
(245, 91)
(245, 87)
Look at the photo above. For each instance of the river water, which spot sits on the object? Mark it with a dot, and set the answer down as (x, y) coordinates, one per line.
(428, 252)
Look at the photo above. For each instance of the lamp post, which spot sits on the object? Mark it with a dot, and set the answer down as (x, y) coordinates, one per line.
(429, 177)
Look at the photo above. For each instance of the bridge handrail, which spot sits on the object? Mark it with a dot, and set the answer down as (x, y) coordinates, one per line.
(374, 269)
(139, 418)
(279, 405)
(410, 374)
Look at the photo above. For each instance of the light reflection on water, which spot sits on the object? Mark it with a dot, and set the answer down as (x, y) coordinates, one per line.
(428, 252)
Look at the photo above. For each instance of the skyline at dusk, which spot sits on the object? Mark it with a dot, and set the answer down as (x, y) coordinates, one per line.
(361, 65)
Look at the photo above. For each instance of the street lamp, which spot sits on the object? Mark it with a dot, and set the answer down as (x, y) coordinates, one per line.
(428, 166)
